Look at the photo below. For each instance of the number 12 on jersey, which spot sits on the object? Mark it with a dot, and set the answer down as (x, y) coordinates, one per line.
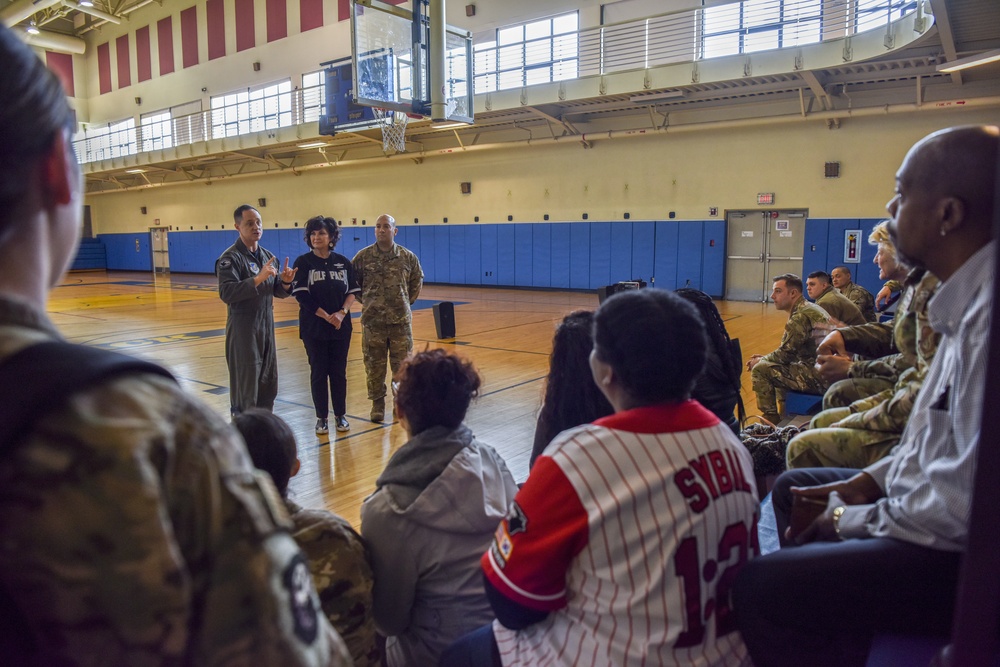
(692, 571)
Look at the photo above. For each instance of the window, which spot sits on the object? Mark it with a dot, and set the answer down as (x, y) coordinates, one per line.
(522, 55)
(265, 108)
(155, 131)
(313, 95)
(758, 25)
(112, 140)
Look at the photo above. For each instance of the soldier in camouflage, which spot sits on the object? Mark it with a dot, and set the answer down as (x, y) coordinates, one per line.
(866, 430)
(859, 296)
(390, 279)
(837, 306)
(134, 530)
(791, 365)
(852, 379)
(338, 557)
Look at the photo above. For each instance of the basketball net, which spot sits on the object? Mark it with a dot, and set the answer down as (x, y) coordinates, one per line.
(393, 125)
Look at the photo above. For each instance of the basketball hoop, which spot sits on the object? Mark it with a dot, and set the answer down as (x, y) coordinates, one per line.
(393, 124)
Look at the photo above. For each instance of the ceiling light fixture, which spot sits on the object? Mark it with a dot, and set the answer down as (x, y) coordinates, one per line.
(314, 144)
(668, 95)
(32, 28)
(445, 124)
(135, 171)
(971, 61)
(86, 3)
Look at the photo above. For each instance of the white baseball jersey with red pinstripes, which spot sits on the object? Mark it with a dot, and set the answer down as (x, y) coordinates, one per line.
(630, 531)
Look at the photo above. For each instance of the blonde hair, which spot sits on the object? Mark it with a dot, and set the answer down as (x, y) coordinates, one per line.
(880, 237)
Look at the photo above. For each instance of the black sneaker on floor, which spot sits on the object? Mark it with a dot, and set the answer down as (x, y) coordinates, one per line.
(342, 425)
(322, 427)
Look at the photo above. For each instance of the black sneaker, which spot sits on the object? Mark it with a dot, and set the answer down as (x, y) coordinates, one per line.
(322, 427)
(342, 425)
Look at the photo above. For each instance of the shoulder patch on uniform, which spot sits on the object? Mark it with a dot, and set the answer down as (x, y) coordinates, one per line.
(298, 582)
(225, 263)
(517, 522)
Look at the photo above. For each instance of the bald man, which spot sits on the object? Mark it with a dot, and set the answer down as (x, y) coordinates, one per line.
(884, 555)
(390, 279)
(859, 296)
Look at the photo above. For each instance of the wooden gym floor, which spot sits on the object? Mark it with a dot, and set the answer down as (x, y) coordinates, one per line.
(179, 322)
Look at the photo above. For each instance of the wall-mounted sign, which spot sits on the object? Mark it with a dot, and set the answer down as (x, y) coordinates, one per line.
(852, 246)
(781, 225)
(765, 199)
(747, 233)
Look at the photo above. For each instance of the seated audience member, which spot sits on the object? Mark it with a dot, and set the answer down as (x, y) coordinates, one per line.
(134, 531)
(718, 387)
(837, 306)
(791, 365)
(859, 296)
(620, 547)
(338, 559)
(866, 430)
(883, 556)
(437, 504)
(882, 363)
(571, 397)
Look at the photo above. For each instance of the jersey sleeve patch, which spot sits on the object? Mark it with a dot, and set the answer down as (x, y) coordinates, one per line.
(534, 546)
(225, 263)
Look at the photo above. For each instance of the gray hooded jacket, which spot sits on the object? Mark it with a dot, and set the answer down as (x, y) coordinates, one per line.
(437, 505)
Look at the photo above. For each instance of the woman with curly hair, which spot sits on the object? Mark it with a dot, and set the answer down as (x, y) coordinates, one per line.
(433, 513)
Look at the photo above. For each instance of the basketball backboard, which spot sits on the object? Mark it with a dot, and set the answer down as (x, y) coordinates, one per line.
(391, 56)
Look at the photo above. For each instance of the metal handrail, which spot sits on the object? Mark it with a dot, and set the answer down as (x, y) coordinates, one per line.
(671, 37)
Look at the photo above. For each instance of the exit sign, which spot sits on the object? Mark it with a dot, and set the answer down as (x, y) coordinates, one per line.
(765, 198)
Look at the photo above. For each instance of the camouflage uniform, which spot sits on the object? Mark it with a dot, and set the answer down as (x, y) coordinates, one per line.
(134, 531)
(390, 283)
(862, 433)
(861, 298)
(792, 365)
(339, 562)
(840, 307)
(888, 347)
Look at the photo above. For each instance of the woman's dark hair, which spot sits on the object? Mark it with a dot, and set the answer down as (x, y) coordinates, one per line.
(270, 442)
(571, 396)
(435, 389)
(654, 342)
(321, 222)
(33, 109)
(715, 328)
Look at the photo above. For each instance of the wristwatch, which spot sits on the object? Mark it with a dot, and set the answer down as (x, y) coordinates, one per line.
(837, 513)
(345, 311)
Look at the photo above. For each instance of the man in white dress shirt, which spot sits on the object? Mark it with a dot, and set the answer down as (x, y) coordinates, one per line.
(884, 554)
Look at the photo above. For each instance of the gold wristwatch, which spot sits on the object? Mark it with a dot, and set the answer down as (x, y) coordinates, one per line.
(837, 513)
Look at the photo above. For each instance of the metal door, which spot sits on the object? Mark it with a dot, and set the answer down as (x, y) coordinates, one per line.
(761, 245)
(161, 255)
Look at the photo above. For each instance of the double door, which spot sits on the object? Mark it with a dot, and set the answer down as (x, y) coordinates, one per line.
(761, 245)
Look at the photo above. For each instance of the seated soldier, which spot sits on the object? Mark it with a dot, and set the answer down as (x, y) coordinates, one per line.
(838, 306)
(338, 559)
(791, 365)
(859, 296)
(620, 547)
(863, 432)
(853, 379)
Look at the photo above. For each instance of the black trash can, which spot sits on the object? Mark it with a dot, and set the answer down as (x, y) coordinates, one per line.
(444, 319)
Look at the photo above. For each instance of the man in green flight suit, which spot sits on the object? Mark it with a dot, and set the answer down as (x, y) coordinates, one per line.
(390, 279)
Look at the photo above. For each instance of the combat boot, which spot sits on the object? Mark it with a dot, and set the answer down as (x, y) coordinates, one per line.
(378, 410)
